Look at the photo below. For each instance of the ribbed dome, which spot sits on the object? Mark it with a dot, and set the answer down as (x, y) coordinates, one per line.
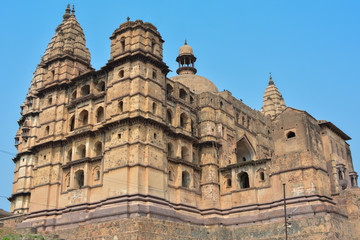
(273, 102)
(196, 83)
(69, 39)
(186, 50)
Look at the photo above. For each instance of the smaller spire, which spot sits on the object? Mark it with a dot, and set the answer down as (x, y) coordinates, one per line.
(73, 10)
(185, 42)
(271, 82)
(128, 19)
(67, 12)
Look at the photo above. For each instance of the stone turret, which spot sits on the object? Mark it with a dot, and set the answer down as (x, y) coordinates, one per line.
(273, 102)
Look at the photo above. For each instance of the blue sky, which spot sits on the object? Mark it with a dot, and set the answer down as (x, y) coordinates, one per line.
(311, 47)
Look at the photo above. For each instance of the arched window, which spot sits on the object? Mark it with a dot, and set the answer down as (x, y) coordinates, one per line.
(121, 106)
(169, 89)
(98, 149)
(79, 179)
(73, 95)
(191, 100)
(228, 182)
(152, 46)
(185, 153)
(85, 90)
(81, 151)
(169, 116)
(170, 150)
(185, 179)
(290, 134)
(170, 175)
(67, 180)
(97, 175)
(262, 176)
(69, 155)
(122, 42)
(183, 120)
(47, 131)
(100, 114)
(72, 123)
(194, 157)
(84, 117)
(340, 174)
(244, 151)
(49, 100)
(192, 128)
(101, 86)
(243, 179)
(121, 73)
(154, 106)
(182, 94)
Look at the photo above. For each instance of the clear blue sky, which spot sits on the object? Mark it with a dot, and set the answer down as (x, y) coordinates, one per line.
(311, 48)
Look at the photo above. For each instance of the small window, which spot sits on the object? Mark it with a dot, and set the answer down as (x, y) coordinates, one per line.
(290, 134)
(262, 176)
(53, 74)
(221, 104)
(97, 175)
(119, 135)
(74, 95)
(121, 106)
(69, 155)
(121, 73)
(154, 108)
(72, 123)
(84, 117)
(183, 120)
(152, 45)
(170, 150)
(101, 86)
(155, 136)
(98, 149)
(168, 117)
(47, 130)
(185, 153)
(79, 179)
(185, 180)
(170, 176)
(182, 94)
(49, 100)
(191, 100)
(100, 114)
(85, 90)
(122, 41)
(243, 179)
(81, 151)
(169, 89)
(340, 174)
(228, 182)
(154, 75)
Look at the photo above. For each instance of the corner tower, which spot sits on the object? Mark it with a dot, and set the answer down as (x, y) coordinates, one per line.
(39, 135)
(273, 102)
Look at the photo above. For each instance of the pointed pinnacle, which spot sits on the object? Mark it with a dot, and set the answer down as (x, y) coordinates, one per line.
(73, 10)
(185, 42)
(67, 12)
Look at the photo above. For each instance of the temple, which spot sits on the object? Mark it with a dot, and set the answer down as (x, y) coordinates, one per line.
(128, 145)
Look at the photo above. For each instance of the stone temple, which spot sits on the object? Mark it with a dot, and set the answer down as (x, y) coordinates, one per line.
(125, 151)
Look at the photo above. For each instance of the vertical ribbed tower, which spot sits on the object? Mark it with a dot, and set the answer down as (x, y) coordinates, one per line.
(43, 115)
(273, 102)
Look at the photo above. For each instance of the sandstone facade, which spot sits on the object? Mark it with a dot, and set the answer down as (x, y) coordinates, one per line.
(128, 144)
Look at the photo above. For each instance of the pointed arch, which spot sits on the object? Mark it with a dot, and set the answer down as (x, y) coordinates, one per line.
(244, 150)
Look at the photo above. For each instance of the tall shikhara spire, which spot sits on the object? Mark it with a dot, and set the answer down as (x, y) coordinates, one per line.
(69, 39)
(273, 102)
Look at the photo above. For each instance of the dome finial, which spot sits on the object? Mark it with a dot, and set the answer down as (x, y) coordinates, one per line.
(67, 12)
(270, 81)
(128, 19)
(185, 42)
(73, 10)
